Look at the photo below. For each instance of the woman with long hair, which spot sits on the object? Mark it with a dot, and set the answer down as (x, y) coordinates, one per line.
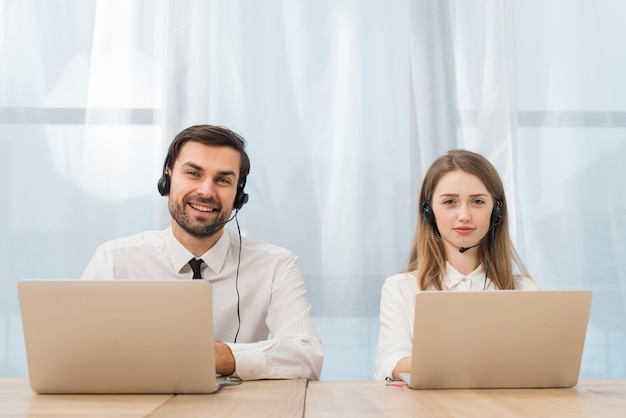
(461, 243)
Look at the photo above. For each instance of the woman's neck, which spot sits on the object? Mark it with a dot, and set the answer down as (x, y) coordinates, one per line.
(464, 263)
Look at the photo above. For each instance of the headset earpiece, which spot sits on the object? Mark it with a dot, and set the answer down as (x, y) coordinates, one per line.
(241, 198)
(427, 211)
(164, 183)
(497, 214)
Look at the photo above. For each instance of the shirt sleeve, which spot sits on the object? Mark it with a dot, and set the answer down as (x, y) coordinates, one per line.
(97, 266)
(395, 338)
(524, 283)
(294, 350)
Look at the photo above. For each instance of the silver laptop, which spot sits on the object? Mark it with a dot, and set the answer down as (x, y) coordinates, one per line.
(498, 339)
(119, 336)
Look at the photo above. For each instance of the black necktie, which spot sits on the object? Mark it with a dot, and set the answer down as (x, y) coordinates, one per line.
(195, 266)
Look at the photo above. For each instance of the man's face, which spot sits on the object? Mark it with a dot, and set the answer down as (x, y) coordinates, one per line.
(203, 187)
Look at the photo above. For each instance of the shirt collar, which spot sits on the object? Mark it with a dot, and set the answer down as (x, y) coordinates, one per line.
(455, 280)
(214, 258)
(216, 255)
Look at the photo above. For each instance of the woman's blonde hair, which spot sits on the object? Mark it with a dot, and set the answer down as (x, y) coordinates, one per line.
(427, 258)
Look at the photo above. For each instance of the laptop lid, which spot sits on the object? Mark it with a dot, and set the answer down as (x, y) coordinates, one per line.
(498, 339)
(118, 336)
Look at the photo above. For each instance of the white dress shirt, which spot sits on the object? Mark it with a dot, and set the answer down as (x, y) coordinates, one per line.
(271, 291)
(397, 311)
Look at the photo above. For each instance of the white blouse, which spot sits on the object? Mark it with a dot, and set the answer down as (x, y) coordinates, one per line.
(397, 311)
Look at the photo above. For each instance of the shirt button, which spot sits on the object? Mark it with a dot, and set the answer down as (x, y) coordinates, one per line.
(464, 279)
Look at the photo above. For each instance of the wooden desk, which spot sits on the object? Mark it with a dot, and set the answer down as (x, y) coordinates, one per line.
(17, 400)
(294, 398)
(259, 398)
(591, 398)
(265, 398)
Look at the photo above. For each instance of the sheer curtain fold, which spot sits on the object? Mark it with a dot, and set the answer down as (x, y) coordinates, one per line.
(497, 111)
(435, 112)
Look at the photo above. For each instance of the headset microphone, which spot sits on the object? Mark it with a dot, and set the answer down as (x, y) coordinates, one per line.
(211, 229)
(463, 249)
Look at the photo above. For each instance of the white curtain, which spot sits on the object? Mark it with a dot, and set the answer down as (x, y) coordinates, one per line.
(344, 105)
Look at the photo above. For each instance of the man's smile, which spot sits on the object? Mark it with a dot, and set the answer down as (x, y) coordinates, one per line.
(202, 208)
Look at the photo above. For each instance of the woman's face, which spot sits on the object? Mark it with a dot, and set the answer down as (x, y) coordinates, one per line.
(462, 207)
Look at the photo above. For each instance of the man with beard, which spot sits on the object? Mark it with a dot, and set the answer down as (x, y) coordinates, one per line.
(258, 289)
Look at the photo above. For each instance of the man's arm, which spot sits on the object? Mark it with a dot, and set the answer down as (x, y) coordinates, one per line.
(294, 350)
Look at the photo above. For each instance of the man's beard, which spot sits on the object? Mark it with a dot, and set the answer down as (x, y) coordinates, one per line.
(182, 218)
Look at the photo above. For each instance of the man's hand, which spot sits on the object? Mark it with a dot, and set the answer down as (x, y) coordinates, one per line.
(224, 360)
